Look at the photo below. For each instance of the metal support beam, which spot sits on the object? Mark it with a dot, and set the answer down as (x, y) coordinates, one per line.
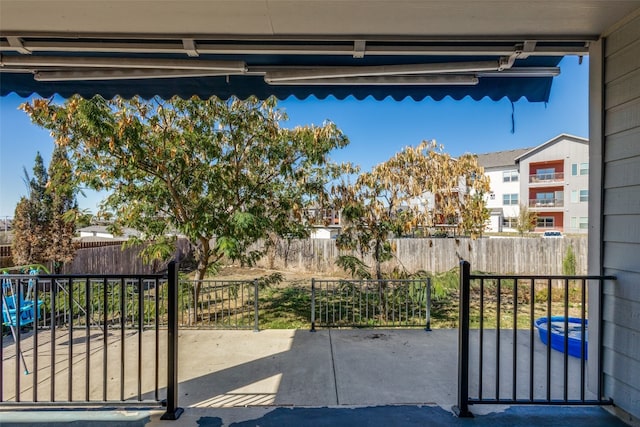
(135, 63)
(380, 70)
(462, 408)
(359, 47)
(207, 46)
(190, 47)
(16, 43)
(173, 411)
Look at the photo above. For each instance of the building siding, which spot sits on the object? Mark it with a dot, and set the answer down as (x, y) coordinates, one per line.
(570, 211)
(498, 189)
(560, 153)
(621, 215)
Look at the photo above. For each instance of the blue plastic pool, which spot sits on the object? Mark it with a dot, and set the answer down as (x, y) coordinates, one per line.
(574, 332)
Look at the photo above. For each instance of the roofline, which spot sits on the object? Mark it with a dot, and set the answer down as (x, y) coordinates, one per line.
(550, 142)
(502, 166)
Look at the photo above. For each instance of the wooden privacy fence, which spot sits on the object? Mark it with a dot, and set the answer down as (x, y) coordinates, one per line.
(498, 255)
(5, 250)
(116, 260)
(503, 255)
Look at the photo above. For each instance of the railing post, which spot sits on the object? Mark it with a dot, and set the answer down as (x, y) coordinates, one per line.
(428, 313)
(462, 408)
(313, 305)
(173, 411)
(256, 326)
(600, 380)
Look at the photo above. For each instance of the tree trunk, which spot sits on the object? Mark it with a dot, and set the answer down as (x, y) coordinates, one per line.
(382, 285)
(203, 251)
(376, 257)
(195, 295)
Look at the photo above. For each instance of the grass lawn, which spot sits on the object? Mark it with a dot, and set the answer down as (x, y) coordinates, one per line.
(287, 305)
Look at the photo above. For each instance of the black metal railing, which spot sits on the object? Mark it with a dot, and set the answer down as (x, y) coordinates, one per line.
(79, 340)
(546, 203)
(371, 303)
(546, 177)
(219, 304)
(523, 340)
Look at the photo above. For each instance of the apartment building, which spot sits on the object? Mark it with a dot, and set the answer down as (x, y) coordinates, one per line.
(503, 201)
(550, 179)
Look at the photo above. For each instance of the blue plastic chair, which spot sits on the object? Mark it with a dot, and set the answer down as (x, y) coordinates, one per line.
(19, 308)
(29, 310)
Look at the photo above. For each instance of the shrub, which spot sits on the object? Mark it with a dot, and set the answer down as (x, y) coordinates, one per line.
(569, 262)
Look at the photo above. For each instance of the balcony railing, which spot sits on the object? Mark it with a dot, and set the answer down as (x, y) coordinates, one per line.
(218, 304)
(546, 203)
(546, 177)
(371, 303)
(523, 340)
(89, 340)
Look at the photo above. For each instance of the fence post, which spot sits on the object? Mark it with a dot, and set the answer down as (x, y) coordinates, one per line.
(173, 411)
(256, 327)
(428, 313)
(313, 305)
(462, 408)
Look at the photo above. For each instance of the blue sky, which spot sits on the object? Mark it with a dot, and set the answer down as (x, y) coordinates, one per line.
(376, 129)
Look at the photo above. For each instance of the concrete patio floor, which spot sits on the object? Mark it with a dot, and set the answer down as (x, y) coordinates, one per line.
(328, 378)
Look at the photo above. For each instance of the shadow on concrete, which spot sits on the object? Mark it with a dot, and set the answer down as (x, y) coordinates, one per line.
(330, 377)
(266, 368)
(325, 368)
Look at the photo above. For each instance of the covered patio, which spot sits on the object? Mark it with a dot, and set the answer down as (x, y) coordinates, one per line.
(275, 377)
(432, 48)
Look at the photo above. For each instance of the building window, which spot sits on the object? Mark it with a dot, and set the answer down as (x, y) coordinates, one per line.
(510, 199)
(510, 222)
(574, 196)
(545, 222)
(584, 223)
(579, 169)
(584, 168)
(546, 174)
(510, 176)
(584, 195)
(545, 199)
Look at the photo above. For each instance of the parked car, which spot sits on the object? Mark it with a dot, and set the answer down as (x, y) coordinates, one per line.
(552, 234)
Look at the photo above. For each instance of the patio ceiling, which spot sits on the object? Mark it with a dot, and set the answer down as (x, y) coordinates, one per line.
(396, 48)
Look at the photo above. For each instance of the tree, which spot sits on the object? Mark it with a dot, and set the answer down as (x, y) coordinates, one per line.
(31, 217)
(527, 220)
(419, 187)
(222, 173)
(370, 212)
(44, 220)
(63, 208)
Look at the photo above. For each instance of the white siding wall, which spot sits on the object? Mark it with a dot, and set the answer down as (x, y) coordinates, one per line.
(499, 188)
(621, 215)
(324, 233)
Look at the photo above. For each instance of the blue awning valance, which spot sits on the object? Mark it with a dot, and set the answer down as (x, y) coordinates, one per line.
(534, 89)
(292, 69)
